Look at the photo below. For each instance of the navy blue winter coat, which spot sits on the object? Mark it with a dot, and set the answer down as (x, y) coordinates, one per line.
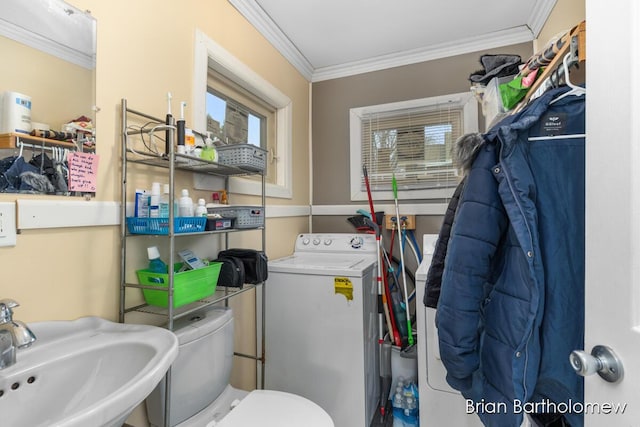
(511, 307)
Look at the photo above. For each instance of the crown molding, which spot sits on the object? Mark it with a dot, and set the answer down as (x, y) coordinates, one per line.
(520, 34)
(53, 27)
(539, 15)
(265, 26)
(263, 23)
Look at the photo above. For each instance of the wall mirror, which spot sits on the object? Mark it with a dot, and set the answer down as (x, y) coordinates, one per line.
(47, 93)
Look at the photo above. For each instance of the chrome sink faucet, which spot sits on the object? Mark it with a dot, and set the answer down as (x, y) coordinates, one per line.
(14, 334)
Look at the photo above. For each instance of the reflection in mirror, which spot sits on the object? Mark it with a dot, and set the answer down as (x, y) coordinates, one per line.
(47, 93)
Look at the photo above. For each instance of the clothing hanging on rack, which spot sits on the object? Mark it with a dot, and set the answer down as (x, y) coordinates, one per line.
(515, 263)
(22, 177)
(40, 175)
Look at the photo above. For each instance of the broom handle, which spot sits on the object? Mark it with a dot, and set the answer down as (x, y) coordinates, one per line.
(404, 278)
(366, 183)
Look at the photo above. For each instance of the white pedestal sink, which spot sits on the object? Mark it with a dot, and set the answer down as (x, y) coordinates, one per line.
(85, 372)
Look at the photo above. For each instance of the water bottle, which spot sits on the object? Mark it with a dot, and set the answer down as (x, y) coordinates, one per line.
(411, 412)
(398, 411)
(405, 404)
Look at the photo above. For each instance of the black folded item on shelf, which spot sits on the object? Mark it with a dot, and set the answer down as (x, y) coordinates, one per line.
(254, 262)
(231, 272)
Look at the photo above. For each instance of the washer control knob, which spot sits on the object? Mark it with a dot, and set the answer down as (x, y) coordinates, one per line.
(327, 242)
(316, 242)
(305, 241)
(356, 242)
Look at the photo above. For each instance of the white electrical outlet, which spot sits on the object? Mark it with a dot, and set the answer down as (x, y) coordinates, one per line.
(7, 224)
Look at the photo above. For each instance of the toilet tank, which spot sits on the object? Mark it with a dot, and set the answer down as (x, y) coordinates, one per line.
(202, 369)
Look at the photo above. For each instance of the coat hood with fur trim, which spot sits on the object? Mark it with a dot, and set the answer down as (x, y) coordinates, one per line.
(465, 150)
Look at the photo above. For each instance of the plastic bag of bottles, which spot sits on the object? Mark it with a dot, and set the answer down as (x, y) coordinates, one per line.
(405, 404)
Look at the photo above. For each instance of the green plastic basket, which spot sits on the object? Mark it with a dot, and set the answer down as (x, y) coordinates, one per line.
(188, 286)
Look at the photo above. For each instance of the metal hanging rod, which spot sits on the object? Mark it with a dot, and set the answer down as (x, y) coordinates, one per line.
(42, 147)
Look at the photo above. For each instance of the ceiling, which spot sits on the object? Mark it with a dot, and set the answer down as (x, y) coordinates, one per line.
(326, 39)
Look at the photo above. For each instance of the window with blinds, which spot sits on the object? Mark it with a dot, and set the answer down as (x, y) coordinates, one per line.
(411, 140)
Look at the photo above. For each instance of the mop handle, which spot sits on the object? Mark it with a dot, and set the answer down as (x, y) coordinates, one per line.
(404, 277)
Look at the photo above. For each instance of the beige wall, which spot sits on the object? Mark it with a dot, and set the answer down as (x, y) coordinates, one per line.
(142, 56)
(60, 91)
(145, 49)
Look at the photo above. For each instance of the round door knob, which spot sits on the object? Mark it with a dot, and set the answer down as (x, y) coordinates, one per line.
(601, 360)
(583, 363)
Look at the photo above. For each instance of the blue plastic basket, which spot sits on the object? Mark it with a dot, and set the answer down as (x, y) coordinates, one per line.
(161, 225)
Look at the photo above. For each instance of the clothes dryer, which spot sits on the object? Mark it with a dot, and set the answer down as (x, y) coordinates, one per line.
(439, 403)
(321, 325)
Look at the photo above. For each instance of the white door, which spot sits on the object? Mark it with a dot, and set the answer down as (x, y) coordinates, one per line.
(613, 206)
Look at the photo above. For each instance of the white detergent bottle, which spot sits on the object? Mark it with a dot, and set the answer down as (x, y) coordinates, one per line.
(185, 205)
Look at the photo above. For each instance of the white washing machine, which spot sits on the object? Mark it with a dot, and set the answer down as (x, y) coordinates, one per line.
(321, 325)
(439, 403)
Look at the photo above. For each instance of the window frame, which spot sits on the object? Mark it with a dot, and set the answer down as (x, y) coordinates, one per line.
(465, 100)
(209, 54)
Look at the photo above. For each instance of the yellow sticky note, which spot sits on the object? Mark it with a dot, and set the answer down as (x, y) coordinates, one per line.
(343, 286)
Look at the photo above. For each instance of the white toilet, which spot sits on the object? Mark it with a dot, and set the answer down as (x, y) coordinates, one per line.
(200, 392)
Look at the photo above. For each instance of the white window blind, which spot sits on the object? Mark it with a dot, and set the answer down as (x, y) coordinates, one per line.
(414, 145)
(412, 140)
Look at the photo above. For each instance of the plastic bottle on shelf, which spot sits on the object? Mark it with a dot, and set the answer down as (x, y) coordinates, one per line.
(189, 142)
(156, 265)
(201, 209)
(164, 202)
(154, 201)
(223, 197)
(185, 205)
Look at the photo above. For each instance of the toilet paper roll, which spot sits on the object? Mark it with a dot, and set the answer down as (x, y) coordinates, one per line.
(15, 114)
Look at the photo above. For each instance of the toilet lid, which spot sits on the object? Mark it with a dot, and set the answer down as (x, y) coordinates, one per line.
(269, 408)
